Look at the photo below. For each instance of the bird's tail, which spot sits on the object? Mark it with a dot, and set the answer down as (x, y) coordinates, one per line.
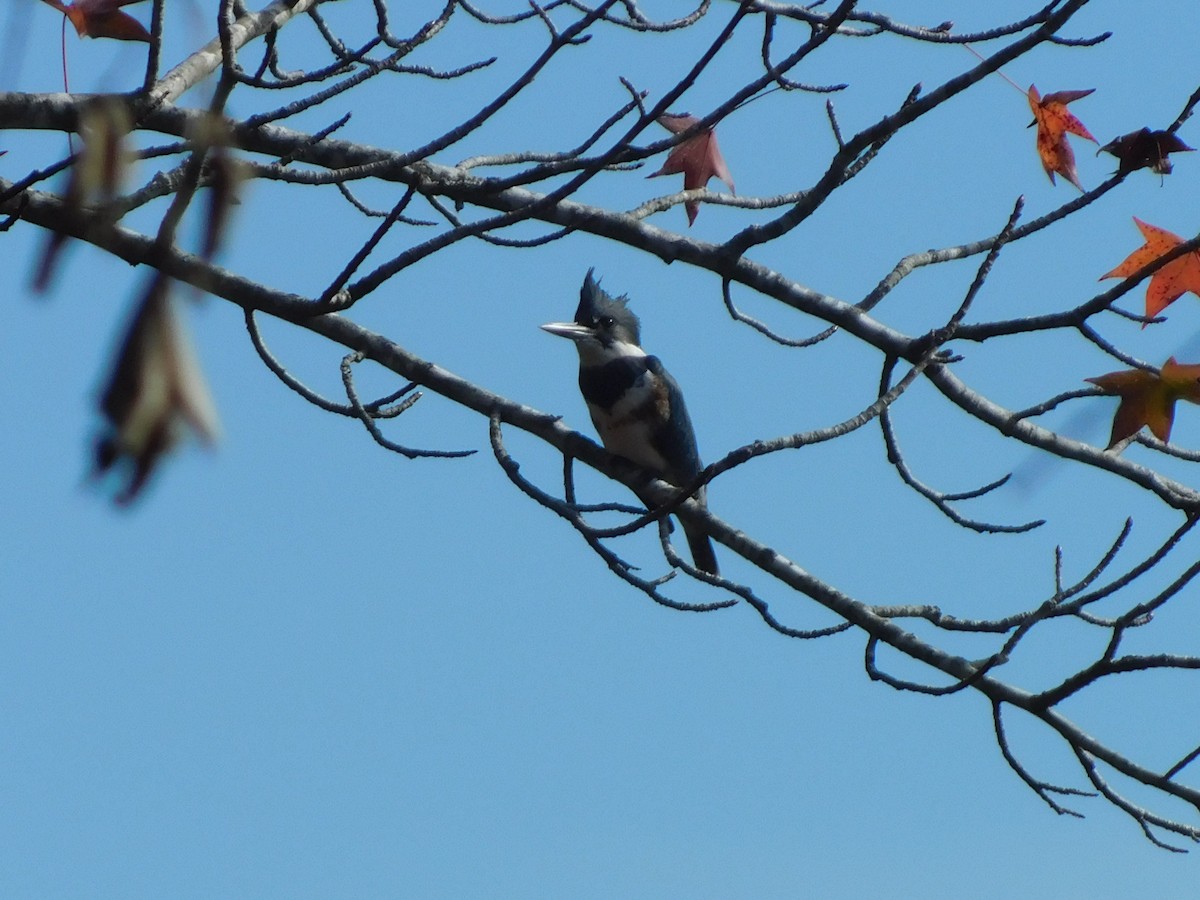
(702, 550)
(698, 542)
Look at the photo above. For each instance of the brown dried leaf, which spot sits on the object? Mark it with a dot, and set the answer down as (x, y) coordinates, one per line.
(1148, 398)
(155, 389)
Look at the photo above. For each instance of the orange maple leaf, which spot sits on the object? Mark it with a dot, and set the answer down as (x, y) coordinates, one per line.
(102, 19)
(1148, 398)
(698, 158)
(1170, 282)
(1054, 122)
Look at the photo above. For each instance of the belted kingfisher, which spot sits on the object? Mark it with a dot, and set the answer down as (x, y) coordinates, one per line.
(635, 404)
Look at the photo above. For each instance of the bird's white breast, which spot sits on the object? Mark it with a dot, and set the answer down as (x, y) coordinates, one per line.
(623, 429)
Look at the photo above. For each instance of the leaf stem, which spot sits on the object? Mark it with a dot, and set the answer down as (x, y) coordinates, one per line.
(999, 72)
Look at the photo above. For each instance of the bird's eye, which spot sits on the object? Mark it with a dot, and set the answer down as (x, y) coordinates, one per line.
(607, 321)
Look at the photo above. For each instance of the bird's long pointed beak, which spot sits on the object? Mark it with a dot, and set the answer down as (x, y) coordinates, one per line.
(572, 330)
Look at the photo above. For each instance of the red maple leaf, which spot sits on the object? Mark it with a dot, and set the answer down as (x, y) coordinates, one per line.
(1170, 282)
(102, 19)
(698, 158)
(1054, 122)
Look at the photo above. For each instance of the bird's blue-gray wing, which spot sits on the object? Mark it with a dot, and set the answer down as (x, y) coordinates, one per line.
(677, 442)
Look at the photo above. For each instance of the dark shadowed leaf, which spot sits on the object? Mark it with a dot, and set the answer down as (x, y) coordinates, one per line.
(1145, 149)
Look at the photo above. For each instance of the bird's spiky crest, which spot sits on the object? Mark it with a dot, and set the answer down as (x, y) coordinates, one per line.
(595, 302)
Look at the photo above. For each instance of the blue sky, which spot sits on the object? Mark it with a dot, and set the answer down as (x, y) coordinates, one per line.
(302, 666)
